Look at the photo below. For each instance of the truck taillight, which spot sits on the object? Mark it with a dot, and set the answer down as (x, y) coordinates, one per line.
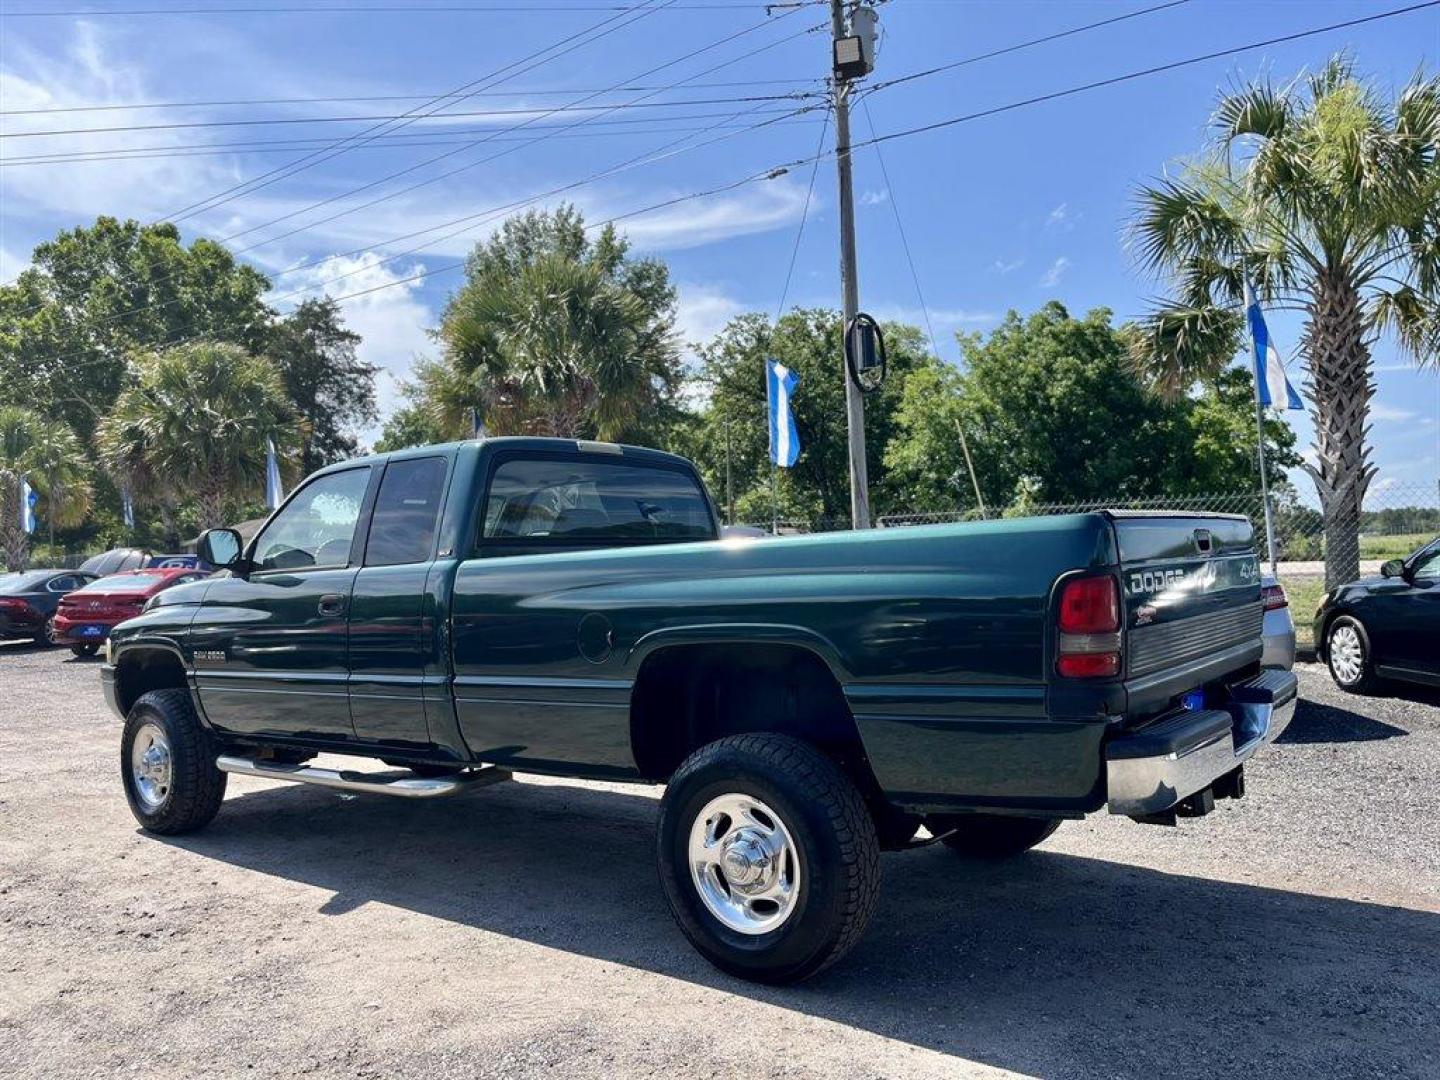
(1274, 597)
(1089, 623)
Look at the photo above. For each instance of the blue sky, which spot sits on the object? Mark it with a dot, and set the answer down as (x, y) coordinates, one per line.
(1004, 212)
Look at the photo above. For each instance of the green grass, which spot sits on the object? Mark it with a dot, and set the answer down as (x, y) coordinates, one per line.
(1392, 547)
(1304, 593)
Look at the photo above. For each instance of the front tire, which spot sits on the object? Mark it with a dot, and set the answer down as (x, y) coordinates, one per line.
(993, 836)
(1347, 655)
(167, 764)
(768, 857)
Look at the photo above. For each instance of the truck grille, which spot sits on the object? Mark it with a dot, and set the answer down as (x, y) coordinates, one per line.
(1169, 644)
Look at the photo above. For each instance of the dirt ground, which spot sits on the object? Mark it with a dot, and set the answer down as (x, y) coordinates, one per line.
(520, 931)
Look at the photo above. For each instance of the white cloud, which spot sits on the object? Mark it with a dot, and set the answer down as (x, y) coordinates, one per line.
(392, 321)
(1058, 215)
(942, 319)
(694, 223)
(875, 198)
(1052, 276)
(1390, 414)
(702, 312)
(11, 265)
(86, 73)
(1002, 267)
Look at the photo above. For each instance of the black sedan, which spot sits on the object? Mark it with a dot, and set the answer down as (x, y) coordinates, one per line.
(28, 600)
(1385, 627)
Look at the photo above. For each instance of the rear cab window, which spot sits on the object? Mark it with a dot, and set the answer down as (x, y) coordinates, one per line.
(407, 512)
(534, 504)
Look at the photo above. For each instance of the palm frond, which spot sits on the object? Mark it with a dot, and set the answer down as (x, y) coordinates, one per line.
(1173, 347)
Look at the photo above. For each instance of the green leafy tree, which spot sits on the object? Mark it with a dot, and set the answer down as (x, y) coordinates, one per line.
(46, 454)
(1326, 195)
(195, 424)
(93, 295)
(1054, 414)
(332, 390)
(809, 343)
(410, 425)
(554, 333)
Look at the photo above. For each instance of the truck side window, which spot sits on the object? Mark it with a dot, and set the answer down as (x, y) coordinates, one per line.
(402, 528)
(554, 501)
(317, 526)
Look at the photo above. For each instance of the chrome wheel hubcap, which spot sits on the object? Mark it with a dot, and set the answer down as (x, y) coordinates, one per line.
(1347, 654)
(744, 864)
(150, 766)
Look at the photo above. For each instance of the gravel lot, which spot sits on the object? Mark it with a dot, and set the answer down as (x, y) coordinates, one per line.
(520, 930)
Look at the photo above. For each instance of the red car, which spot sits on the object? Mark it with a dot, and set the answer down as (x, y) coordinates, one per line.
(85, 617)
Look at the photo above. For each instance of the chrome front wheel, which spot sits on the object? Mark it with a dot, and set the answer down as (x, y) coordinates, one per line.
(151, 766)
(744, 864)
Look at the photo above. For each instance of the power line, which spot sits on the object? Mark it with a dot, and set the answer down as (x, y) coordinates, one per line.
(399, 9)
(517, 93)
(919, 292)
(767, 174)
(474, 164)
(1144, 72)
(471, 219)
(401, 116)
(876, 140)
(804, 216)
(1046, 39)
(623, 128)
(461, 93)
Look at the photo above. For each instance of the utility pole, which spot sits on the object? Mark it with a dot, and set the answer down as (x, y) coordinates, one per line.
(849, 282)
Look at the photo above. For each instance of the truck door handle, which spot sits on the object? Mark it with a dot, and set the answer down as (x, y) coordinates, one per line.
(332, 604)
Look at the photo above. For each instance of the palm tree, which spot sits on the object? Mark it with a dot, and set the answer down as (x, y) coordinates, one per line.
(48, 455)
(556, 348)
(1326, 195)
(195, 423)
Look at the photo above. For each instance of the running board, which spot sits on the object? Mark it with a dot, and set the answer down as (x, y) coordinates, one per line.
(405, 784)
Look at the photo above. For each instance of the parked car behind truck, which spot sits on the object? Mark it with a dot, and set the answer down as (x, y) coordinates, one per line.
(566, 608)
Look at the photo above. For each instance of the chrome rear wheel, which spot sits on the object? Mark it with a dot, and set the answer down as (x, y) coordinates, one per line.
(744, 864)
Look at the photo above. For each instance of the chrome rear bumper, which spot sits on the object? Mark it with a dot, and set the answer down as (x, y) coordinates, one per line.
(1155, 768)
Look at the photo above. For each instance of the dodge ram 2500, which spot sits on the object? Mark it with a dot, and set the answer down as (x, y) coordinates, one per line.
(563, 607)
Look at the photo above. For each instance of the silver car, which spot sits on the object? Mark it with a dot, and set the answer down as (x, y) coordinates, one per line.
(1278, 631)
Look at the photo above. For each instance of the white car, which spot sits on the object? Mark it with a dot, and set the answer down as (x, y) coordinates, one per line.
(1278, 630)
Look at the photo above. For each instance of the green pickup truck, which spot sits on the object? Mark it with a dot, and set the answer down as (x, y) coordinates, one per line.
(458, 612)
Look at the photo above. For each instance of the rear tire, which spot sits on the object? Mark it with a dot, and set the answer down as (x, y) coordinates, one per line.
(167, 764)
(83, 651)
(1347, 655)
(993, 836)
(773, 807)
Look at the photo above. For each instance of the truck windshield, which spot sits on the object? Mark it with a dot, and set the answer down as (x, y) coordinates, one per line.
(584, 502)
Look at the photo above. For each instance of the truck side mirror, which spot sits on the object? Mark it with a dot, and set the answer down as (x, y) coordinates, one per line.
(219, 547)
(1393, 568)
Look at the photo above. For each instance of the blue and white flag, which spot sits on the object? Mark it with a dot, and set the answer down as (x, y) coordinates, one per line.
(780, 385)
(274, 493)
(1271, 383)
(127, 507)
(28, 499)
(477, 425)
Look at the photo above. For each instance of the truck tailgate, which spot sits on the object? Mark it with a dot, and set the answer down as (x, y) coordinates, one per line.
(1192, 611)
